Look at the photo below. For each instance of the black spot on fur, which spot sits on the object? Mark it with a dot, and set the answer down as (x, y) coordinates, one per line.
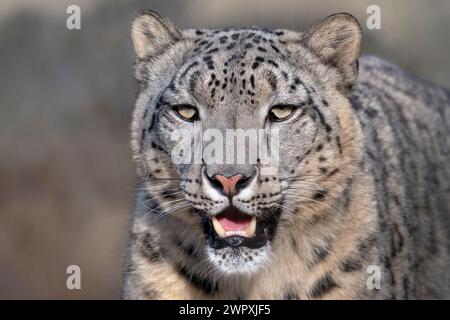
(320, 253)
(371, 113)
(275, 48)
(212, 50)
(166, 194)
(332, 173)
(290, 295)
(188, 249)
(338, 143)
(252, 81)
(192, 65)
(209, 62)
(322, 286)
(152, 123)
(322, 119)
(142, 138)
(150, 294)
(200, 283)
(272, 79)
(396, 240)
(272, 63)
(365, 245)
(350, 264)
(406, 286)
(208, 46)
(262, 49)
(231, 46)
(149, 248)
(319, 195)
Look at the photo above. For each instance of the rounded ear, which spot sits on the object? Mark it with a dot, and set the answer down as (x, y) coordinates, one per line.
(152, 34)
(336, 41)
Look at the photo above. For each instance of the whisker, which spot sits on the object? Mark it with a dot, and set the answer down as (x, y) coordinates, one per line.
(300, 176)
(286, 208)
(166, 179)
(172, 209)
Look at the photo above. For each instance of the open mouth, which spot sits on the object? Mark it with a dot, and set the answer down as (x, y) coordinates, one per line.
(234, 228)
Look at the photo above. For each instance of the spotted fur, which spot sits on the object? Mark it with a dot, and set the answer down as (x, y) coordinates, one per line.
(364, 171)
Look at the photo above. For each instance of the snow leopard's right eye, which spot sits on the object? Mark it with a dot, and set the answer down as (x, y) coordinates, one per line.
(282, 112)
(186, 112)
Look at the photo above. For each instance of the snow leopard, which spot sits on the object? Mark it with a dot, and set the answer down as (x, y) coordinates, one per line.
(359, 204)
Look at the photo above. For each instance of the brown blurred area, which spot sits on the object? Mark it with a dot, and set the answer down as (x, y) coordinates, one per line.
(66, 97)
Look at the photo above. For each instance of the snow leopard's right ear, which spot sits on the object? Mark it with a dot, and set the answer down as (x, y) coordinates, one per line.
(152, 34)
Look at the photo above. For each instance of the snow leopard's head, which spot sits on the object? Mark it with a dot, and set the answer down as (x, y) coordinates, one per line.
(235, 128)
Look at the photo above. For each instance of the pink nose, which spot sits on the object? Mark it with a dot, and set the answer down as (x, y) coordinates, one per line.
(228, 183)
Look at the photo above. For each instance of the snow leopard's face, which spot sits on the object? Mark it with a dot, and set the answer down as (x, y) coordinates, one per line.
(234, 128)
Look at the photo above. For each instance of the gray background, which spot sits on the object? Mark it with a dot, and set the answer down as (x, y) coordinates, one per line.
(66, 97)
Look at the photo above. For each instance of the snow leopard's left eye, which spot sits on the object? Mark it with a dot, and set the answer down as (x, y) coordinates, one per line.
(282, 112)
(186, 112)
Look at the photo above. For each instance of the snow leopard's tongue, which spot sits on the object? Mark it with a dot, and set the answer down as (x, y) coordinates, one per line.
(233, 222)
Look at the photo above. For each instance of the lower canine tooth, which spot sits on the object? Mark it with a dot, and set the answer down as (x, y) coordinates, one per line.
(251, 228)
(218, 227)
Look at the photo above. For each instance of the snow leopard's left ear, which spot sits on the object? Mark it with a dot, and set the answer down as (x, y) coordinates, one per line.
(151, 34)
(336, 40)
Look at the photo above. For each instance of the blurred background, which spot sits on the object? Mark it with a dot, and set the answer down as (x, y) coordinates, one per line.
(66, 96)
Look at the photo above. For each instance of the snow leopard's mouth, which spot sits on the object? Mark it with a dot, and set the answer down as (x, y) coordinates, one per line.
(234, 228)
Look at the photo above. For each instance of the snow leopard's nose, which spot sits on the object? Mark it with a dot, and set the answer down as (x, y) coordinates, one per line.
(231, 185)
